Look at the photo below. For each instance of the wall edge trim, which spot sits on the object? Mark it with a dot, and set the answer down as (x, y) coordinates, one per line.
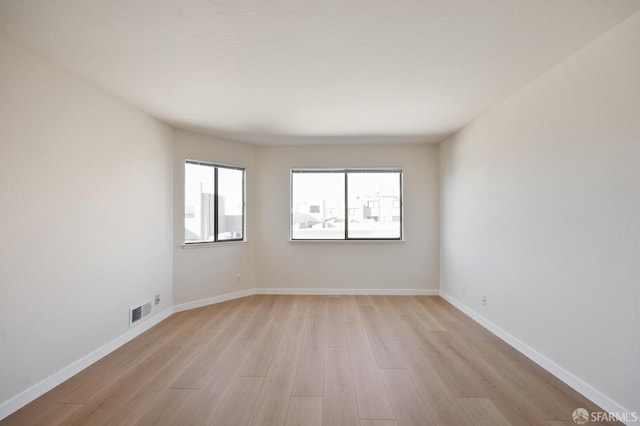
(15, 403)
(213, 300)
(580, 386)
(18, 401)
(347, 292)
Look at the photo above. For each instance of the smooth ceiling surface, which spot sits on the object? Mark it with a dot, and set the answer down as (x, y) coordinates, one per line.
(302, 71)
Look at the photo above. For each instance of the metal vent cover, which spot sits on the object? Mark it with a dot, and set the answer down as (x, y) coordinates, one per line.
(139, 312)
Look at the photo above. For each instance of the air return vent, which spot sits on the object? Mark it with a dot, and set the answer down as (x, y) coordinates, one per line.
(139, 312)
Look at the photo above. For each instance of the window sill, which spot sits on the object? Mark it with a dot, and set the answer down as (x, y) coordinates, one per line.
(350, 241)
(212, 244)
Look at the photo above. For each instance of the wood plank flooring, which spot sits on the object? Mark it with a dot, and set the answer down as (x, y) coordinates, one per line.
(311, 360)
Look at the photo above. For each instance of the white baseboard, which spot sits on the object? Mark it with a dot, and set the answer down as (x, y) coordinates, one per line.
(22, 399)
(348, 292)
(606, 403)
(11, 405)
(35, 391)
(303, 291)
(213, 300)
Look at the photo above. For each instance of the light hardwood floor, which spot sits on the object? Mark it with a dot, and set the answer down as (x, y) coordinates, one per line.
(311, 360)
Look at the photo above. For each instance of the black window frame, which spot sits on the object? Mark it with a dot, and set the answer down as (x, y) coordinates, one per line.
(346, 172)
(216, 205)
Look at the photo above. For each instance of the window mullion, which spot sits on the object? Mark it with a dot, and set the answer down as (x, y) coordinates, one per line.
(244, 201)
(401, 201)
(346, 206)
(215, 204)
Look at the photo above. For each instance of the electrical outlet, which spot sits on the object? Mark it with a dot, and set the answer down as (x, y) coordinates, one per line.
(156, 299)
(484, 300)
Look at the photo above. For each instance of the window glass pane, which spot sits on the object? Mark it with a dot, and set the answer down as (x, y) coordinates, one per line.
(317, 206)
(199, 200)
(374, 205)
(230, 204)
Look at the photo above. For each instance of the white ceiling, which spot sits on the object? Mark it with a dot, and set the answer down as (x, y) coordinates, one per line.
(311, 71)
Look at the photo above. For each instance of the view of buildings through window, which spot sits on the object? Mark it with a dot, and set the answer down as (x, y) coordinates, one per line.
(214, 203)
(373, 207)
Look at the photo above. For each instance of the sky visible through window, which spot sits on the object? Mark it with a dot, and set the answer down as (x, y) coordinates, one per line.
(318, 205)
(199, 203)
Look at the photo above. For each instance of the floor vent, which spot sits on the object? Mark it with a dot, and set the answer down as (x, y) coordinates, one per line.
(138, 313)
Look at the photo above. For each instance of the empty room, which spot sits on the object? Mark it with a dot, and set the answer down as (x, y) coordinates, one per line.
(363, 213)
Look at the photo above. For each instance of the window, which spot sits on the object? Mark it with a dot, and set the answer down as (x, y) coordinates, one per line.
(346, 204)
(213, 202)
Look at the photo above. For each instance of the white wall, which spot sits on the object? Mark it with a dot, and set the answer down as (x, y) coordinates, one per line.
(412, 264)
(85, 217)
(208, 271)
(540, 207)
